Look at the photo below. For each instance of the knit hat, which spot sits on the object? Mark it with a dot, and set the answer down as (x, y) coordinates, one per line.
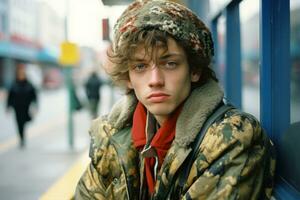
(178, 21)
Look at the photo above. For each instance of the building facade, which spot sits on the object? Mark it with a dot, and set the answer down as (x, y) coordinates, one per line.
(30, 33)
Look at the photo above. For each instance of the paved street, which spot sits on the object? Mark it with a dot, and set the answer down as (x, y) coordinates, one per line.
(27, 174)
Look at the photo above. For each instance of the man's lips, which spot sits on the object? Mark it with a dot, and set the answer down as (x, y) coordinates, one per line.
(158, 97)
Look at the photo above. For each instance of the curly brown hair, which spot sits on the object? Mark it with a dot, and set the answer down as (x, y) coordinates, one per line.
(123, 55)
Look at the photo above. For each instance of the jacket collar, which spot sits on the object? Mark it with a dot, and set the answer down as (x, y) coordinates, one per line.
(199, 105)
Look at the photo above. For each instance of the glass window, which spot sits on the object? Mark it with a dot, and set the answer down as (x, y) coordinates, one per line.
(288, 148)
(295, 60)
(217, 5)
(220, 63)
(249, 14)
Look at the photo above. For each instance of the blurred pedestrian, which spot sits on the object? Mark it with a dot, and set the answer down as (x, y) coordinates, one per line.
(92, 89)
(172, 136)
(21, 95)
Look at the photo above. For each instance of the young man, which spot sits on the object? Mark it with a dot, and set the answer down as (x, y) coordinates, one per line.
(161, 55)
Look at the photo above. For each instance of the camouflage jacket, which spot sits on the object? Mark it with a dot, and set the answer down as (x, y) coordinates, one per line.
(235, 159)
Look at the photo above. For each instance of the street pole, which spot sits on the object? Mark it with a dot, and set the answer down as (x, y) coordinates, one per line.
(70, 87)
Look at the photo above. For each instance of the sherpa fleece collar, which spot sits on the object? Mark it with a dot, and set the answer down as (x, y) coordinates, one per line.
(199, 105)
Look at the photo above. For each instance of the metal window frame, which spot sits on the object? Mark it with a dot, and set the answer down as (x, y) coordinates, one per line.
(233, 69)
(275, 70)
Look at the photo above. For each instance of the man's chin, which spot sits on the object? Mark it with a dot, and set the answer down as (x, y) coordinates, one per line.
(159, 109)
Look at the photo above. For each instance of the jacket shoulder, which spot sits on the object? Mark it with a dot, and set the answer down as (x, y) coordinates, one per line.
(234, 154)
(236, 130)
(240, 126)
(104, 138)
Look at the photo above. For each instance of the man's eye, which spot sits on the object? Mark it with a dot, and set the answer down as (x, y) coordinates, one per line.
(139, 67)
(171, 65)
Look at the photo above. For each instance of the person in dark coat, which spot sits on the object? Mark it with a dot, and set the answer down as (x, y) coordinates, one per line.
(92, 89)
(21, 95)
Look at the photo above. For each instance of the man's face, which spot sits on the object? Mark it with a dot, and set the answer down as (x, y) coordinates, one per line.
(163, 81)
(21, 74)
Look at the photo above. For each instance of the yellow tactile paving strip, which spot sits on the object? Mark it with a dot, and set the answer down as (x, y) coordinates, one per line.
(64, 188)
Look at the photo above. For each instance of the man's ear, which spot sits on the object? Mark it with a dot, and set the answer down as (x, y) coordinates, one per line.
(129, 85)
(195, 76)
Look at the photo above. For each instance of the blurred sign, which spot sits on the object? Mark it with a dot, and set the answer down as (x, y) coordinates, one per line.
(69, 55)
(105, 29)
(126, 2)
(116, 2)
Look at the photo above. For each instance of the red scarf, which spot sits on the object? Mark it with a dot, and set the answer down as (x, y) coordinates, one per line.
(161, 141)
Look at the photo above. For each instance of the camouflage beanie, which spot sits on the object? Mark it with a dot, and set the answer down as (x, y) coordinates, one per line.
(178, 21)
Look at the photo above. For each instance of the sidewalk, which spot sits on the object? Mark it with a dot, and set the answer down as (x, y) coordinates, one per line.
(28, 173)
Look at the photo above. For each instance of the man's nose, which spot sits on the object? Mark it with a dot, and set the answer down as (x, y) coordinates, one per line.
(156, 76)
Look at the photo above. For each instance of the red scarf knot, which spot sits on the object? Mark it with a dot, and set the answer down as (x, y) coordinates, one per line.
(161, 141)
